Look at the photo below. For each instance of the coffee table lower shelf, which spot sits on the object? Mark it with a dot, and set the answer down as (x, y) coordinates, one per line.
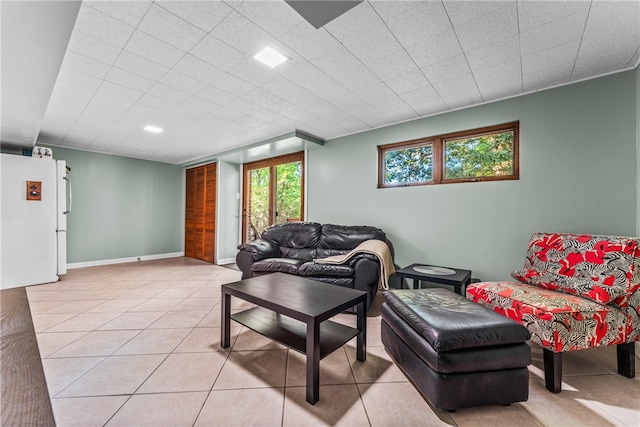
(293, 333)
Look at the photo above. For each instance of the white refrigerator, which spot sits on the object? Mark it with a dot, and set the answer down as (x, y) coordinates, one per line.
(34, 220)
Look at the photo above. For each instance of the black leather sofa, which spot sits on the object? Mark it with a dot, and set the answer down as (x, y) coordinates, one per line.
(292, 247)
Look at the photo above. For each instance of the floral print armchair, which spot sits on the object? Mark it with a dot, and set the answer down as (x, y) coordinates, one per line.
(573, 292)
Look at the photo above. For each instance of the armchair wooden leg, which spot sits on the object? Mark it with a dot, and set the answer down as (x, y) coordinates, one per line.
(627, 359)
(552, 370)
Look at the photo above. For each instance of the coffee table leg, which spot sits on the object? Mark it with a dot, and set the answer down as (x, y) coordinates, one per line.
(313, 362)
(225, 338)
(361, 340)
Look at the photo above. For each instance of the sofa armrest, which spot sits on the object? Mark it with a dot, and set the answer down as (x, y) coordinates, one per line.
(354, 259)
(253, 251)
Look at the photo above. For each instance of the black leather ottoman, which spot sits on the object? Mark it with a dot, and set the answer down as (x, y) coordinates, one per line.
(457, 353)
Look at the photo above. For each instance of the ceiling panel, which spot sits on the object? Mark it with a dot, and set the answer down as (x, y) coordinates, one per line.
(188, 65)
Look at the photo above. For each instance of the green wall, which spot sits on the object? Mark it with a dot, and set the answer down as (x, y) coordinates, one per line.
(578, 173)
(122, 207)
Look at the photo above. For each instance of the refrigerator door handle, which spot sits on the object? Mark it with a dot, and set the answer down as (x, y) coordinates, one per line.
(69, 194)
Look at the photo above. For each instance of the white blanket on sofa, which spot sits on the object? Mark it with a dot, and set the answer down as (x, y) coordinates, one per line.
(373, 247)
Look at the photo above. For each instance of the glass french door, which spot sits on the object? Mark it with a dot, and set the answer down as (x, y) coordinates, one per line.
(273, 193)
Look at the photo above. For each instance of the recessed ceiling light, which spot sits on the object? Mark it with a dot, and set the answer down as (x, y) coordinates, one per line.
(153, 129)
(270, 57)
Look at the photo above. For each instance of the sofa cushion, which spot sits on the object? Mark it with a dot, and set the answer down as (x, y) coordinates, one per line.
(298, 253)
(592, 290)
(557, 321)
(272, 265)
(294, 234)
(343, 237)
(449, 322)
(311, 269)
(595, 267)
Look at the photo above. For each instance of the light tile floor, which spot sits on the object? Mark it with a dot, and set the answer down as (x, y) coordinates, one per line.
(139, 344)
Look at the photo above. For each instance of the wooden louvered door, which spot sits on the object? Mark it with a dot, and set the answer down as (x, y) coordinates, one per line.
(200, 213)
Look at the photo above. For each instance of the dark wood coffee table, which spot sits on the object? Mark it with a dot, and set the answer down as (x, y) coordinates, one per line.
(294, 311)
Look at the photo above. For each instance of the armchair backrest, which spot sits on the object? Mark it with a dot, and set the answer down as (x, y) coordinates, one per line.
(605, 269)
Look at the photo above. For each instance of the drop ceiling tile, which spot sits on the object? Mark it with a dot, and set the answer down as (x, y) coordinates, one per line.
(129, 12)
(463, 99)
(92, 47)
(242, 34)
(533, 14)
(218, 96)
(625, 14)
(453, 67)
(228, 114)
(130, 123)
(90, 126)
(210, 121)
(408, 82)
(253, 72)
(194, 108)
(401, 115)
(85, 64)
(153, 49)
(158, 103)
(79, 79)
(100, 112)
(171, 29)
(217, 53)
(462, 12)
(429, 108)
(589, 65)
(382, 98)
(560, 57)
(234, 85)
(148, 112)
(198, 69)
(499, 52)
(419, 96)
(438, 48)
(347, 70)
(116, 96)
(262, 97)
(502, 90)
(172, 123)
(312, 78)
(276, 18)
(459, 85)
(508, 74)
(548, 78)
(555, 33)
(138, 65)
(168, 93)
(69, 99)
(102, 26)
(489, 28)
(130, 80)
(420, 23)
(389, 9)
(181, 82)
(360, 44)
(205, 15)
(392, 66)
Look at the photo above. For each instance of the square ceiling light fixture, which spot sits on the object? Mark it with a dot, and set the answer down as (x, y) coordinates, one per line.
(321, 12)
(270, 57)
(153, 129)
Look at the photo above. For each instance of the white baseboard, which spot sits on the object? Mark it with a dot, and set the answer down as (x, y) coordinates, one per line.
(226, 261)
(123, 260)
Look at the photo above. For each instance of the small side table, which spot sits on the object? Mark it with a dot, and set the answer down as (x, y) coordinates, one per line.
(459, 279)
